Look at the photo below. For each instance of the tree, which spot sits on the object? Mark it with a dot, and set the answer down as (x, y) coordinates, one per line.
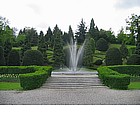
(33, 57)
(70, 34)
(124, 50)
(14, 58)
(42, 46)
(93, 31)
(102, 45)
(113, 57)
(88, 52)
(2, 59)
(81, 32)
(134, 60)
(137, 51)
(49, 37)
(58, 55)
(133, 25)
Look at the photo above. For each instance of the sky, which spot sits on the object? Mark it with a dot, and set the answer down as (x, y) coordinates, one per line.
(41, 14)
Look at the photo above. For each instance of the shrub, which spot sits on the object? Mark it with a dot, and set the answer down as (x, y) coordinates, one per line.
(102, 45)
(14, 58)
(113, 57)
(134, 60)
(98, 62)
(113, 79)
(33, 57)
(2, 59)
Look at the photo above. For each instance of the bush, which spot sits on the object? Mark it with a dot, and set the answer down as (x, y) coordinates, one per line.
(33, 57)
(113, 57)
(2, 59)
(113, 79)
(102, 45)
(14, 58)
(98, 62)
(134, 60)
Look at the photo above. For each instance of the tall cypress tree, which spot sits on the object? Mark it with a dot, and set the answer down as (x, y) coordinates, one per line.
(81, 32)
(2, 59)
(70, 34)
(48, 37)
(58, 55)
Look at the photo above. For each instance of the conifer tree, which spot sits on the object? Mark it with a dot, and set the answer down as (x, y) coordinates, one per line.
(2, 59)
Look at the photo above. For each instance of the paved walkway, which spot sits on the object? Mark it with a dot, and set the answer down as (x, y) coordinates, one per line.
(67, 89)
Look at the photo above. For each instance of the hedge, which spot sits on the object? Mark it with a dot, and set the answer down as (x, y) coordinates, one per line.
(113, 79)
(31, 77)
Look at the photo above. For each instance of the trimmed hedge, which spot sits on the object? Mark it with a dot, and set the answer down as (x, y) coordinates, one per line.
(31, 77)
(113, 79)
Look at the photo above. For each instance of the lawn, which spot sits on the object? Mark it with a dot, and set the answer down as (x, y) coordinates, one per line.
(134, 85)
(10, 86)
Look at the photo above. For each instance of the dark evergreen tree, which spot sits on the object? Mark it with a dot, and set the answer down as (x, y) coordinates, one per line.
(80, 35)
(102, 45)
(113, 57)
(33, 57)
(137, 51)
(49, 37)
(89, 52)
(14, 58)
(124, 50)
(2, 58)
(42, 46)
(70, 35)
(58, 55)
(134, 59)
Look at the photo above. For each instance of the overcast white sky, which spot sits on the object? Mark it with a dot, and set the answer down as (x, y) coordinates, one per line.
(41, 14)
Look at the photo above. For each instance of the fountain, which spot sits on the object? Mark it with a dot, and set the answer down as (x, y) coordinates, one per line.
(75, 56)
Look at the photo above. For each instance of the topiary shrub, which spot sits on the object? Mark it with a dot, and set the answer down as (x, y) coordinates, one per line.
(113, 57)
(102, 45)
(2, 59)
(33, 57)
(98, 62)
(14, 58)
(134, 60)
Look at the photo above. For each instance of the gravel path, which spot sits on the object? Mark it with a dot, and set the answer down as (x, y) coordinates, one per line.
(84, 95)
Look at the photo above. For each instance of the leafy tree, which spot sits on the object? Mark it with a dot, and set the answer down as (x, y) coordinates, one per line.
(33, 57)
(134, 60)
(81, 32)
(102, 45)
(113, 57)
(2, 59)
(89, 52)
(14, 58)
(133, 25)
(58, 55)
(124, 50)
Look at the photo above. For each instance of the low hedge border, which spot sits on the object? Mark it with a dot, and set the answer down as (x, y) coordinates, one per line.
(113, 79)
(31, 77)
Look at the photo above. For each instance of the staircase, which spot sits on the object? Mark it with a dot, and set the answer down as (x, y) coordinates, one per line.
(68, 80)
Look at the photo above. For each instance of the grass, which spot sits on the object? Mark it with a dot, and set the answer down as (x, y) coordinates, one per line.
(10, 86)
(134, 85)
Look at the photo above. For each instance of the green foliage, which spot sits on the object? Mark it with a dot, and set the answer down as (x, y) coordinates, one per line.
(30, 76)
(137, 51)
(102, 45)
(98, 62)
(58, 55)
(33, 57)
(2, 59)
(88, 52)
(113, 79)
(14, 58)
(133, 70)
(81, 32)
(124, 50)
(134, 60)
(113, 57)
